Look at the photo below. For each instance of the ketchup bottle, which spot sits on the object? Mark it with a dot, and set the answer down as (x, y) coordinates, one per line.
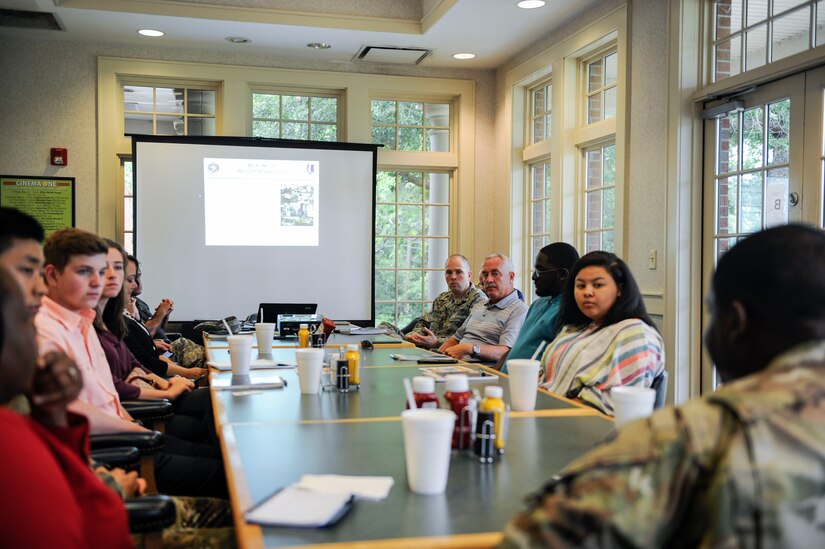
(424, 392)
(460, 398)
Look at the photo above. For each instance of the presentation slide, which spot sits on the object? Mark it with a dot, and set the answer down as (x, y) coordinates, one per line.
(284, 211)
(224, 224)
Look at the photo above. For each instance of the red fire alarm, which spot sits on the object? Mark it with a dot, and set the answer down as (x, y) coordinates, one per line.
(59, 157)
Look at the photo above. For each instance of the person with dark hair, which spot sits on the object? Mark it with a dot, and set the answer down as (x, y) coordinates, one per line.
(741, 467)
(22, 254)
(51, 496)
(146, 338)
(15, 226)
(552, 267)
(607, 338)
(154, 322)
(193, 407)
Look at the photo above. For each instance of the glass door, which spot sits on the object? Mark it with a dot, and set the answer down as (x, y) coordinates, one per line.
(753, 172)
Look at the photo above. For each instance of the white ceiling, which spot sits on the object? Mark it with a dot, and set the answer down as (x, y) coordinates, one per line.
(492, 29)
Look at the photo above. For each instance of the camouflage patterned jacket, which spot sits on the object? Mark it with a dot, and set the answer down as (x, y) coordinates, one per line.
(742, 467)
(448, 314)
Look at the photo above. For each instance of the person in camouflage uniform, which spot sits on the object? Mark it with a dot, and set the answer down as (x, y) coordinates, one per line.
(741, 467)
(450, 308)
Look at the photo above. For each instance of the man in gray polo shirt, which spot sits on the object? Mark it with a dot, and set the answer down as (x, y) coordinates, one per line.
(493, 326)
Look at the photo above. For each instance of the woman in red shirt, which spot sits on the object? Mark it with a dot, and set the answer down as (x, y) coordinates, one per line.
(50, 496)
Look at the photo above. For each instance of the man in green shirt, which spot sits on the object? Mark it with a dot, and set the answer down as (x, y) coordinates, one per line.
(450, 308)
(553, 264)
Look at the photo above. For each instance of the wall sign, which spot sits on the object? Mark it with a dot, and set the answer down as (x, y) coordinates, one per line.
(50, 200)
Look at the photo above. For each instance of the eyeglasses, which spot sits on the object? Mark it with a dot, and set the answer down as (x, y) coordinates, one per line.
(539, 272)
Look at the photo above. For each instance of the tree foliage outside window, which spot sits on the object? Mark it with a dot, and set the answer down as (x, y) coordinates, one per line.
(410, 125)
(411, 235)
(289, 116)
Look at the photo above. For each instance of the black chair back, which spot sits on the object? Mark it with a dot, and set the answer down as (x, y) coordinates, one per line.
(660, 386)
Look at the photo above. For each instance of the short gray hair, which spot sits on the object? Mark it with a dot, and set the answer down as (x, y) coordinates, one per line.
(463, 259)
(506, 262)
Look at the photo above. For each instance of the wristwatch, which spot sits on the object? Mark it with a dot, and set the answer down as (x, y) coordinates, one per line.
(476, 350)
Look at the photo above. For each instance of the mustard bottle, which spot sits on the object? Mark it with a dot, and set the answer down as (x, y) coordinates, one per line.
(493, 402)
(353, 357)
(303, 336)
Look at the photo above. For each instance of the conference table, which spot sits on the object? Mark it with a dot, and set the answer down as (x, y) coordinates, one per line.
(270, 438)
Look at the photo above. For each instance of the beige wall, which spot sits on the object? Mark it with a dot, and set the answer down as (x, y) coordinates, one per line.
(645, 219)
(49, 100)
(646, 149)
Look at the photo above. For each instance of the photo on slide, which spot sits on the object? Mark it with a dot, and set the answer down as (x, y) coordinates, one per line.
(297, 205)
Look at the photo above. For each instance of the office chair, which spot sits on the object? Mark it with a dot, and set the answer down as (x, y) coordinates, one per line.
(148, 443)
(660, 386)
(148, 516)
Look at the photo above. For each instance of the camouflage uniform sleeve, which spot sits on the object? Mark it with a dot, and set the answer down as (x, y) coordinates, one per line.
(440, 318)
(424, 322)
(639, 490)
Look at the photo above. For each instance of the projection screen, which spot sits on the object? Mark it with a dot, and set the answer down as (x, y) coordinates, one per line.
(223, 224)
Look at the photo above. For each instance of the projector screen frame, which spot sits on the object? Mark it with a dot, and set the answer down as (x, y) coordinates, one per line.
(264, 142)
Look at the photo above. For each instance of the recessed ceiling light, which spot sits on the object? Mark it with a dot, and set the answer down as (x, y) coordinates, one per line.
(464, 55)
(319, 45)
(530, 4)
(150, 32)
(238, 39)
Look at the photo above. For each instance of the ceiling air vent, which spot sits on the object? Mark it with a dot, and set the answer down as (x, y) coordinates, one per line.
(392, 54)
(29, 19)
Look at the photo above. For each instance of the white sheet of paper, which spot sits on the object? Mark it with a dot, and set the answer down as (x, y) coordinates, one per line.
(372, 488)
(256, 364)
(776, 205)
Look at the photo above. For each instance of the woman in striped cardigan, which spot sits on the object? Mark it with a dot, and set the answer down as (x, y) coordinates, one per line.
(607, 338)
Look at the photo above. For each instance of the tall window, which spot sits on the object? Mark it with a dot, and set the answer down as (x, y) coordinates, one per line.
(412, 228)
(751, 33)
(541, 101)
(412, 216)
(161, 110)
(600, 198)
(601, 74)
(539, 207)
(128, 206)
(411, 125)
(290, 116)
